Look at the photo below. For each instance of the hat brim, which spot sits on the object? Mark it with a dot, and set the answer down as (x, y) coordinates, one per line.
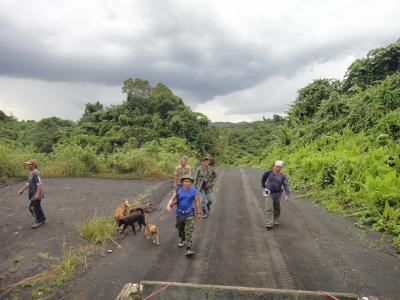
(183, 179)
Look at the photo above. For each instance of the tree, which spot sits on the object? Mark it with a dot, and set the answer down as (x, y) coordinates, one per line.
(378, 64)
(310, 97)
(93, 107)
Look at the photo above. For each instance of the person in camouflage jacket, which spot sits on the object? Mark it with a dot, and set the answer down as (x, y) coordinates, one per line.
(205, 179)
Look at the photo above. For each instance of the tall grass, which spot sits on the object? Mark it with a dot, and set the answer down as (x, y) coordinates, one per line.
(98, 229)
(155, 159)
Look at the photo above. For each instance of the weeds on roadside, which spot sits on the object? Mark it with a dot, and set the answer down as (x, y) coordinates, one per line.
(45, 283)
(98, 230)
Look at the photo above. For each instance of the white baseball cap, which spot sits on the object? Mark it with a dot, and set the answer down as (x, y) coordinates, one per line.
(279, 163)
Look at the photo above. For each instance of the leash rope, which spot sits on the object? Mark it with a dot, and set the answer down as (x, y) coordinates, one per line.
(328, 295)
(158, 291)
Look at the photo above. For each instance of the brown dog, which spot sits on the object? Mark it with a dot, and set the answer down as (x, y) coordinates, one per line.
(121, 211)
(151, 230)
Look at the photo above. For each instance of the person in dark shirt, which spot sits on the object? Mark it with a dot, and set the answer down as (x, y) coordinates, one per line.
(35, 193)
(272, 183)
(187, 207)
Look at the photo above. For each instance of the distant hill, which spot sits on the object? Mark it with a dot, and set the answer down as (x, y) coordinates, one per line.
(222, 123)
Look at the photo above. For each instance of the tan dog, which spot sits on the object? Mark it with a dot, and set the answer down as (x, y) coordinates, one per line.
(121, 211)
(151, 230)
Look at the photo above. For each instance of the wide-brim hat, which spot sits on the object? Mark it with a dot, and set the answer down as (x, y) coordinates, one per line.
(187, 178)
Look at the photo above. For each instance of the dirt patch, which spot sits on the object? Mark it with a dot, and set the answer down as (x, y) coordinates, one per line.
(26, 252)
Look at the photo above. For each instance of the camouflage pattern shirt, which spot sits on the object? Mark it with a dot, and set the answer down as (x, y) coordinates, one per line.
(205, 179)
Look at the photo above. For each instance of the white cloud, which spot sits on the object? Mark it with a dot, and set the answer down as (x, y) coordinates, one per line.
(29, 99)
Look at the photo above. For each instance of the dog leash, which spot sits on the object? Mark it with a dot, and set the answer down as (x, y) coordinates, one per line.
(158, 291)
(164, 211)
(328, 295)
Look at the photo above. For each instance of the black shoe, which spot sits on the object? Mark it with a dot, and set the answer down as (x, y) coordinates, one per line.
(269, 227)
(208, 206)
(189, 251)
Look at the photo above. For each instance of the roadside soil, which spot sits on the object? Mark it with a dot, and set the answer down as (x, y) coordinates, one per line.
(68, 201)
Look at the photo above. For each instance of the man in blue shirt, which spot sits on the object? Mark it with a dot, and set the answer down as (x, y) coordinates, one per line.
(272, 182)
(184, 197)
(35, 193)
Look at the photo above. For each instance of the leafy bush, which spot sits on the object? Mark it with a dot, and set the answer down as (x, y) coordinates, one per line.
(73, 160)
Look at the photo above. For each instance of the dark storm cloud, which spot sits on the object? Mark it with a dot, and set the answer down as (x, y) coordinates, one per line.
(231, 51)
(192, 54)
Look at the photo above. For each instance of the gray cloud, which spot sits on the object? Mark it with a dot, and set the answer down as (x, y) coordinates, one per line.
(207, 50)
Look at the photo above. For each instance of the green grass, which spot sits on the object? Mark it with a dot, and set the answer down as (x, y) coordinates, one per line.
(98, 229)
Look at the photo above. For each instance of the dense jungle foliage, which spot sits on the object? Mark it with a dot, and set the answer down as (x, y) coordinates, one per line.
(142, 137)
(340, 141)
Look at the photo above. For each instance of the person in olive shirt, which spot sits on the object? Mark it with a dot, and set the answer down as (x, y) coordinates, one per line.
(35, 193)
(182, 170)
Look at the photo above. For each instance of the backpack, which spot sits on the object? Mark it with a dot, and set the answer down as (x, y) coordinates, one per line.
(265, 177)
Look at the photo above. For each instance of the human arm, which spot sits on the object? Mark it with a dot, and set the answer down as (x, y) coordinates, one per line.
(197, 206)
(21, 191)
(285, 184)
(175, 181)
(171, 202)
(38, 191)
(197, 178)
(264, 178)
(176, 177)
(36, 180)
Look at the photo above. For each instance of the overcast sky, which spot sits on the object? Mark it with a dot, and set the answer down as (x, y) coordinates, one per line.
(232, 60)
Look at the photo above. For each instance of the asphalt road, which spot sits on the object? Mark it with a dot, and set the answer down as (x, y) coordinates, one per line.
(311, 250)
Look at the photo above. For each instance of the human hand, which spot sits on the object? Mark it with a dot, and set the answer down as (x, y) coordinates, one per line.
(37, 197)
(20, 192)
(198, 216)
(286, 198)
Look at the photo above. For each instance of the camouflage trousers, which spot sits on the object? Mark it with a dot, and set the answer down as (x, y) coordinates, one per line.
(185, 226)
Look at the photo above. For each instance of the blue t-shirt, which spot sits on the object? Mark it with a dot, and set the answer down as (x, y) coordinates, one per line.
(184, 201)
